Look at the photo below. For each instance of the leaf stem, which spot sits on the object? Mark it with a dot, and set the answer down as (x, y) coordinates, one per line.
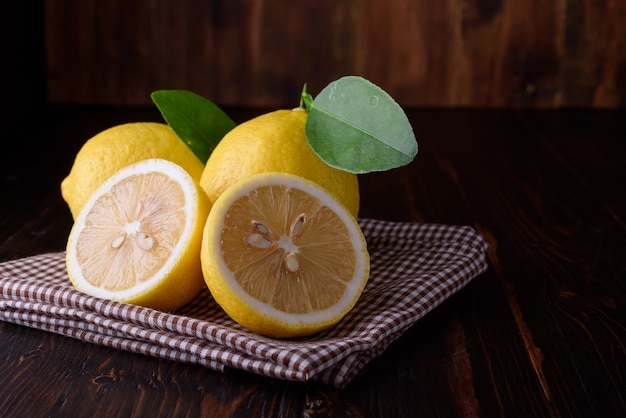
(306, 100)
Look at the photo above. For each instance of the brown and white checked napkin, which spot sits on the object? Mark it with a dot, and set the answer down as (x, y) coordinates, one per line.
(414, 267)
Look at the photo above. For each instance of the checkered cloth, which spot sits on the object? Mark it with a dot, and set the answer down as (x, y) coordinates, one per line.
(414, 267)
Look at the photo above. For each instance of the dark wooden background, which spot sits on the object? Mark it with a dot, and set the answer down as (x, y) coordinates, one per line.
(541, 334)
(425, 53)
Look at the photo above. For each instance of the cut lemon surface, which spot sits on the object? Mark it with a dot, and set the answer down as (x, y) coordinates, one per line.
(137, 239)
(282, 256)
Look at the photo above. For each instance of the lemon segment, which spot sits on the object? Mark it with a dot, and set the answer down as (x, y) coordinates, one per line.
(117, 147)
(282, 256)
(137, 239)
(275, 142)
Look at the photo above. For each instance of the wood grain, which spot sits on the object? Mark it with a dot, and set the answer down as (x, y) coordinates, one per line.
(448, 53)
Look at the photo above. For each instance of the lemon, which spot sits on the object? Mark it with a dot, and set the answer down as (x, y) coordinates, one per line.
(137, 239)
(117, 147)
(275, 142)
(282, 256)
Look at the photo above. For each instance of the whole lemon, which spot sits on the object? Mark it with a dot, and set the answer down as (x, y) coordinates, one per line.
(275, 142)
(117, 147)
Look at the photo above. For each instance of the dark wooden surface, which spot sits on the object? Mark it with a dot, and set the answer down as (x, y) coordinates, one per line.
(541, 334)
(450, 53)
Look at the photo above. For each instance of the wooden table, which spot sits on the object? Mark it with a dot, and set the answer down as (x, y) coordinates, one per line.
(542, 333)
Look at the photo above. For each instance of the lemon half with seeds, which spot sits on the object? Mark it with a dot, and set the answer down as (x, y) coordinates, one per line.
(282, 256)
(137, 239)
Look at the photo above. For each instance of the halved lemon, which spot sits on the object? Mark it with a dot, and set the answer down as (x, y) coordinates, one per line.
(282, 256)
(137, 239)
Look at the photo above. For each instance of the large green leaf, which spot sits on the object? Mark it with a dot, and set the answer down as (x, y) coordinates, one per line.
(356, 126)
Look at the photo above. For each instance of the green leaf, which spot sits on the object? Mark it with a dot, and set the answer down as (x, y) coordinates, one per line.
(355, 126)
(200, 123)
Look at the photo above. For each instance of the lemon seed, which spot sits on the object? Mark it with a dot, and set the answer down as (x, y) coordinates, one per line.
(291, 261)
(118, 241)
(145, 241)
(258, 241)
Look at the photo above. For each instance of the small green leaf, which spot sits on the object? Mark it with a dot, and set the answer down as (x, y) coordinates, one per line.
(200, 123)
(355, 126)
